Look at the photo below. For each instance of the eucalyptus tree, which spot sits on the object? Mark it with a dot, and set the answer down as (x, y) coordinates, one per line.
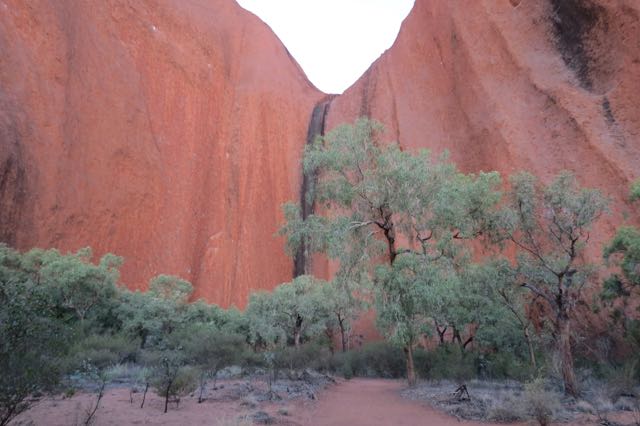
(32, 340)
(147, 318)
(210, 350)
(75, 286)
(347, 295)
(549, 225)
(170, 287)
(290, 313)
(502, 306)
(624, 248)
(623, 252)
(391, 204)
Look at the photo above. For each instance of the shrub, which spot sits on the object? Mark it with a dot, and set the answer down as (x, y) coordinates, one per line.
(310, 355)
(210, 350)
(376, 359)
(542, 404)
(101, 351)
(446, 362)
(31, 340)
(186, 381)
(503, 365)
(622, 380)
(169, 376)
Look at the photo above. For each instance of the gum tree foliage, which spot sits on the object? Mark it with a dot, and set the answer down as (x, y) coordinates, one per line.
(60, 314)
(292, 312)
(346, 296)
(502, 320)
(625, 249)
(466, 303)
(31, 340)
(170, 375)
(550, 225)
(393, 205)
(148, 319)
(153, 315)
(75, 286)
(171, 288)
(210, 350)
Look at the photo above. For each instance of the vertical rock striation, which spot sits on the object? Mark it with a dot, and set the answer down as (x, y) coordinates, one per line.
(166, 131)
(522, 85)
(171, 131)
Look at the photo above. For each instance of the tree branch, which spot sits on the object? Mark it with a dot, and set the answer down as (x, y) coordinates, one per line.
(540, 293)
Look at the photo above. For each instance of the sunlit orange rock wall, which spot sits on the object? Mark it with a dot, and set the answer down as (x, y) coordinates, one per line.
(537, 85)
(166, 131)
(509, 85)
(170, 131)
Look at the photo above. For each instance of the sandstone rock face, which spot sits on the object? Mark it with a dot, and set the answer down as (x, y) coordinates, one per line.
(166, 131)
(541, 85)
(170, 131)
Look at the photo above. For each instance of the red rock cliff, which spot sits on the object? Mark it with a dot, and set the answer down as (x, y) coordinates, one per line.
(170, 131)
(166, 131)
(513, 85)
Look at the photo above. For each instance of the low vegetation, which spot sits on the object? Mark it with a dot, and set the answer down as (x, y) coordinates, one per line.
(410, 235)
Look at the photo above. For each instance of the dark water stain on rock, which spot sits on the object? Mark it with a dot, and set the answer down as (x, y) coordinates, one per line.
(307, 203)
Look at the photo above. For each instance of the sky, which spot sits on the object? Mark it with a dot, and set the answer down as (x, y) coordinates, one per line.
(334, 41)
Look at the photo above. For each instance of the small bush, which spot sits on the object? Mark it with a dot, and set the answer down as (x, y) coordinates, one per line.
(376, 359)
(309, 355)
(169, 375)
(346, 370)
(186, 381)
(127, 373)
(446, 362)
(102, 351)
(506, 413)
(622, 380)
(504, 365)
(541, 404)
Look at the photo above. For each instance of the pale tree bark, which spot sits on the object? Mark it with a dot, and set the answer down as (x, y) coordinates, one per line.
(411, 370)
(563, 336)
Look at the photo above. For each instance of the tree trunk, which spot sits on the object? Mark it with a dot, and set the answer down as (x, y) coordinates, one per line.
(144, 395)
(9, 415)
(90, 415)
(532, 355)
(166, 398)
(330, 335)
(566, 356)
(456, 336)
(441, 333)
(297, 331)
(203, 383)
(343, 337)
(411, 371)
(467, 342)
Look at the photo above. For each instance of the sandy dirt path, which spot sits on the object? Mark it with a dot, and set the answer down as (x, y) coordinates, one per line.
(371, 402)
(356, 402)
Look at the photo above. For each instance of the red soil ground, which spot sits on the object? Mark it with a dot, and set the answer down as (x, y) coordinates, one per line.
(366, 402)
(370, 402)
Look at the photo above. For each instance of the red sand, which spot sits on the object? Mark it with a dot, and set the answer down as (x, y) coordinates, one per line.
(372, 402)
(356, 402)
(366, 402)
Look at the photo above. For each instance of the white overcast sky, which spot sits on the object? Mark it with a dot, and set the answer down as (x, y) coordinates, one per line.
(334, 41)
